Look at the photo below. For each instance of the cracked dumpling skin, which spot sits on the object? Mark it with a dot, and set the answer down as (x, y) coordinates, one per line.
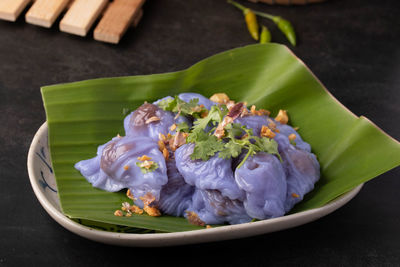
(114, 167)
(214, 208)
(215, 173)
(302, 172)
(176, 195)
(135, 123)
(264, 180)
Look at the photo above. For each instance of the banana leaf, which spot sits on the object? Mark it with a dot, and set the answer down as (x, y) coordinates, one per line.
(83, 115)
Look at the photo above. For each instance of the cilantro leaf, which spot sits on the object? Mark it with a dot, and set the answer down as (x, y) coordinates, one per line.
(231, 150)
(215, 115)
(206, 146)
(182, 127)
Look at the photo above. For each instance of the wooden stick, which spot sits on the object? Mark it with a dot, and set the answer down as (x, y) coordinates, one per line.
(119, 15)
(10, 9)
(45, 12)
(81, 16)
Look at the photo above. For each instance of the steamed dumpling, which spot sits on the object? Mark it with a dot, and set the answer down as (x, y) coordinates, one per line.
(176, 195)
(148, 120)
(202, 99)
(302, 172)
(264, 180)
(215, 173)
(214, 208)
(114, 167)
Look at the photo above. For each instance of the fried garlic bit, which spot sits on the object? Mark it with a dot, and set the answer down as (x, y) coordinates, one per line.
(220, 98)
(267, 132)
(130, 195)
(282, 117)
(173, 127)
(260, 112)
(152, 119)
(149, 205)
(194, 219)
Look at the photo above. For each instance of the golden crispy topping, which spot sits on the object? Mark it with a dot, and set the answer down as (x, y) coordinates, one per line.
(161, 137)
(220, 98)
(173, 127)
(126, 167)
(295, 195)
(165, 153)
(292, 137)
(260, 112)
(152, 119)
(118, 213)
(144, 158)
(130, 195)
(282, 117)
(135, 209)
(179, 140)
(267, 132)
(208, 226)
(253, 109)
(161, 145)
(193, 218)
(152, 211)
(146, 164)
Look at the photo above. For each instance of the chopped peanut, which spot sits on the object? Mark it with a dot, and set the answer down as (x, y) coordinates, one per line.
(128, 215)
(144, 158)
(152, 211)
(173, 127)
(282, 117)
(129, 194)
(295, 195)
(292, 137)
(126, 167)
(208, 226)
(267, 132)
(193, 218)
(135, 209)
(118, 213)
(161, 145)
(165, 153)
(220, 98)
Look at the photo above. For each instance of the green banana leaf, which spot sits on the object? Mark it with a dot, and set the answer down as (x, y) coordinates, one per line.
(83, 115)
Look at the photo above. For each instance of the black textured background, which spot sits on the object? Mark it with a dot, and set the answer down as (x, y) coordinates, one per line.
(351, 45)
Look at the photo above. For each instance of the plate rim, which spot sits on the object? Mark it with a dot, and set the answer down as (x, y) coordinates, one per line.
(179, 238)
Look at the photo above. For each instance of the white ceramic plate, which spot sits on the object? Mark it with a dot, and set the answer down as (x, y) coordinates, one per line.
(43, 182)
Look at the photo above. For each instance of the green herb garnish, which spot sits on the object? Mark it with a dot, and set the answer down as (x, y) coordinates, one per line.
(237, 138)
(176, 104)
(152, 166)
(182, 127)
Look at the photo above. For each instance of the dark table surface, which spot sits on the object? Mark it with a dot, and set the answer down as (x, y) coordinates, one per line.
(352, 46)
